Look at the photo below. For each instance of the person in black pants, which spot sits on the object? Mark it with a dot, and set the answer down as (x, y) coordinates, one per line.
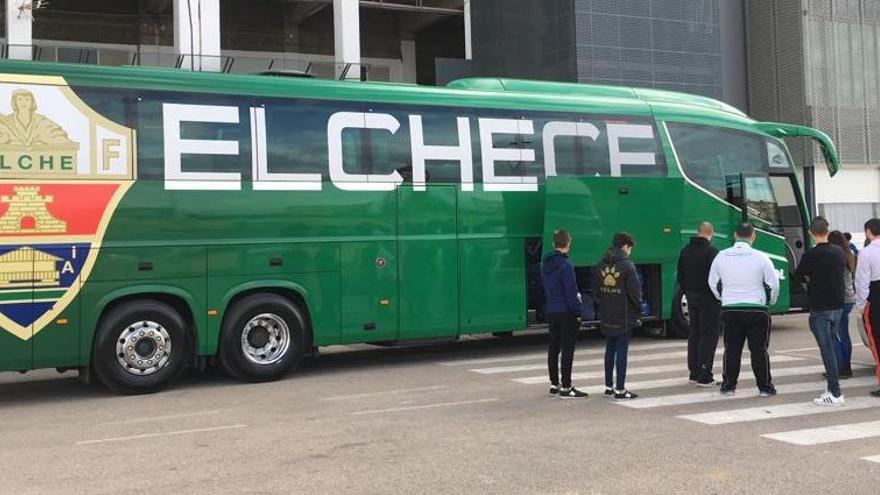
(703, 308)
(563, 315)
(746, 283)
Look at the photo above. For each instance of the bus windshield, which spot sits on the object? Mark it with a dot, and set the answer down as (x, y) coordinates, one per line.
(715, 158)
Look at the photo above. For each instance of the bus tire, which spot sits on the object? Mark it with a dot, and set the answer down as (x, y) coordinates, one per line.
(263, 338)
(141, 346)
(679, 326)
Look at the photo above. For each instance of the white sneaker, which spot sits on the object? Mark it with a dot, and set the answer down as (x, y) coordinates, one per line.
(827, 399)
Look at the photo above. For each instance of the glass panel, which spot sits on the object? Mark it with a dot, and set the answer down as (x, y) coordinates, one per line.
(709, 155)
(776, 156)
(761, 201)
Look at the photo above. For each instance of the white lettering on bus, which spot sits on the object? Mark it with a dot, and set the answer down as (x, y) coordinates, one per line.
(491, 154)
(620, 158)
(268, 181)
(421, 152)
(552, 130)
(340, 121)
(175, 178)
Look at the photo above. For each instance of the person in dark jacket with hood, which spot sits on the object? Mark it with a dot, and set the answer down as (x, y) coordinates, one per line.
(563, 315)
(694, 263)
(620, 301)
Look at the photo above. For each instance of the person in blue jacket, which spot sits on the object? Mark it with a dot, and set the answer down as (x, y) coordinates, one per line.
(563, 315)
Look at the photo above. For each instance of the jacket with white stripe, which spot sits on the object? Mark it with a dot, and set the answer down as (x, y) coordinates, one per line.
(742, 276)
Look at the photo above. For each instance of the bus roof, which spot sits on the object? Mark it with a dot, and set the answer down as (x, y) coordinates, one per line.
(591, 90)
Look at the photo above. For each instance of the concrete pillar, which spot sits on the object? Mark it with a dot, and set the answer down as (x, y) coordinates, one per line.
(19, 36)
(468, 48)
(408, 61)
(197, 34)
(347, 37)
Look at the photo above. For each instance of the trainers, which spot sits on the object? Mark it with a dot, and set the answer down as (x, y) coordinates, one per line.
(554, 390)
(709, 384)
(572, 393)
(846, 374)
(728, 392)
(624, 395)
(770, 392)
(828, 399)
(609, 391)
(876, 393)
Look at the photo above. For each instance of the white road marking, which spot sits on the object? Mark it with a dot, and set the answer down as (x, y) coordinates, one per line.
(676, 382)
(160, 434)
(646, 370)
(145, 419)
(828, 434)
(873, 458)
(776, 411)
(424, 406)
(713, 396)
(583, 363)
(532, 356)
(379, 394)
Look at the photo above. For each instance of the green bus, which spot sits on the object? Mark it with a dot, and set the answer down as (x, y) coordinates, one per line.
(155, 219)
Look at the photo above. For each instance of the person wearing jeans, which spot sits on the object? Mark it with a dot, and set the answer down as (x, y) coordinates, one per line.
(843, 342)
(620, 299)
(823, 268)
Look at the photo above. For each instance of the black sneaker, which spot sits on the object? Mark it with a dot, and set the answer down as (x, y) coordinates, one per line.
(609, 391)
(624, 395)
(876, 393)
(709, 384)
(572, 393)
(728, 392)
(770, 392)
(846, 374)
(554, 390)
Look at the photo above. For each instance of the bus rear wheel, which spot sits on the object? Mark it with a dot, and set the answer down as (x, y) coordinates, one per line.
(263, 338)
(141, 346)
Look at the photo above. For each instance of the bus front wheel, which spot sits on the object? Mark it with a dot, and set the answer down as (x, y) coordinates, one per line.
(679, 326)
(141, 346)
(263, 338)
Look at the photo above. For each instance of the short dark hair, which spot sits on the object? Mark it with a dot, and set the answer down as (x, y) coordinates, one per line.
(847, 236)
(623, 239)
(745, 231)
(873, 225)
(561, 238)
(819, 226)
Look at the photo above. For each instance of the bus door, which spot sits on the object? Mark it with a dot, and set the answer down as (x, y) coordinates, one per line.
(16, 307)
(428, 252)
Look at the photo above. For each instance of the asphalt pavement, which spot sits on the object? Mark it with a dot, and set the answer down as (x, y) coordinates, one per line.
(468, 417)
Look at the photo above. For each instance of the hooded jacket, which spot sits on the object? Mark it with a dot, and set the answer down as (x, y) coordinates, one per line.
(560, 285)
(694, 264)
(618, 290)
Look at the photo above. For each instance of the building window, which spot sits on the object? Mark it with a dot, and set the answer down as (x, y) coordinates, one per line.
(849, 217)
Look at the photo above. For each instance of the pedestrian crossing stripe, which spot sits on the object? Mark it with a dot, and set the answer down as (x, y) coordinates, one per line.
(645, 370)
(714, 396)
(776, 411)
(873, 458)
(533, 356)
(829, 434)
(587, 362)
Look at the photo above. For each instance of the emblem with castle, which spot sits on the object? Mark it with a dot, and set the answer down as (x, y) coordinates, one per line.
(27, 213)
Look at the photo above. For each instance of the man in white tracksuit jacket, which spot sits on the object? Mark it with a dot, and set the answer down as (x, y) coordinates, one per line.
(746, 283)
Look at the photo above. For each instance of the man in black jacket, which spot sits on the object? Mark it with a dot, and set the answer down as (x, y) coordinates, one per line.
(620, 302)
(703, 308)
(563, 315)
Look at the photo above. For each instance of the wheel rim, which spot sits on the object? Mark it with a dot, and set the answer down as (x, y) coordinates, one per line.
(143, 348)
(265, 339)
(685, 311)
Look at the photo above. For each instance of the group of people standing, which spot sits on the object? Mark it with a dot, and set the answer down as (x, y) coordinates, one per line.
(731, 289)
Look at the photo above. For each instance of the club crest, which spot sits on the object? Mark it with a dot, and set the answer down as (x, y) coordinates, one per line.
(63, 170)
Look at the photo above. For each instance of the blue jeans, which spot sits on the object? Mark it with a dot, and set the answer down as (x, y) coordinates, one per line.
(824, 324)
(616, 349)
(843, 343)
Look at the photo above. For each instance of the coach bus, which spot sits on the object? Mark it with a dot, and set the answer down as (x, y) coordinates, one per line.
(154, 219)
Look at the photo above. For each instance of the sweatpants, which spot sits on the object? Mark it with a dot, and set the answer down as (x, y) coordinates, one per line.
(705, 316)
(742, 325)
(563, 336)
